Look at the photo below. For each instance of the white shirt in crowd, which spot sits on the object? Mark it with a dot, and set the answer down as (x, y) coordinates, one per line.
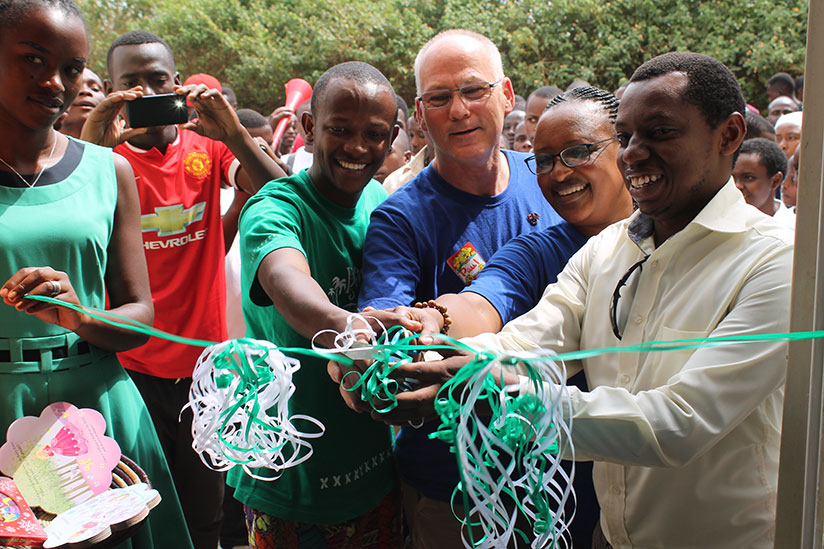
(302, 160)
(235, 325)
(785, 215)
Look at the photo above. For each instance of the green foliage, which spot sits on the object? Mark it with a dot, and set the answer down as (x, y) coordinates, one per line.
(107, 21)
(257, 45)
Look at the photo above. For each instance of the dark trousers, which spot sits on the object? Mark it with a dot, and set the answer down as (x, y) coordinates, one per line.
(233, 532)
(200, 489)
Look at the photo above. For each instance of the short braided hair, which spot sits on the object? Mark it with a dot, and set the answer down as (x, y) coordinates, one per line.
(589, 93)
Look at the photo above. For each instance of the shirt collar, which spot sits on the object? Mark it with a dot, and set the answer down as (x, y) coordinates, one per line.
(138, 150)
(721, 214)
(724, 212)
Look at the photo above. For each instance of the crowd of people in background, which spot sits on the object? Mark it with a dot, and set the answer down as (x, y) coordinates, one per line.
(780, 123)
(476, 212)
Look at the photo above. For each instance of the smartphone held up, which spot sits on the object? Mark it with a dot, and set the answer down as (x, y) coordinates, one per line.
(157, 110)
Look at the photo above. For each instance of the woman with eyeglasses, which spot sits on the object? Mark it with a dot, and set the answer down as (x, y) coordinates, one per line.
(576, 163)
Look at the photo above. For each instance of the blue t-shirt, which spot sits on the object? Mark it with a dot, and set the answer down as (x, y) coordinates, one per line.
(429, 238)
(516, 277)
(513, 283)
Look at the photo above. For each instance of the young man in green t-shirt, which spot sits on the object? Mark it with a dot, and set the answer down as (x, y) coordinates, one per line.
(301, 246)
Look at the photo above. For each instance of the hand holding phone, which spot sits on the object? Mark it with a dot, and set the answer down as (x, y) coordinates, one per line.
(215, 117)
(105, 124)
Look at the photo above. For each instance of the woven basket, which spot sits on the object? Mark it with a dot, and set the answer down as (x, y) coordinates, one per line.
(125, 473)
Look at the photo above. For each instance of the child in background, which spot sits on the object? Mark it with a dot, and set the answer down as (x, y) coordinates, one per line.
(399, 155)
(758, 172)
(522, 141)
(788, 132)
(91, 94)
(301, 158)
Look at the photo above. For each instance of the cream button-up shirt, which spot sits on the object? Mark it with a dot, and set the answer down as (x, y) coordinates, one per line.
(785, 215)
(686, 442)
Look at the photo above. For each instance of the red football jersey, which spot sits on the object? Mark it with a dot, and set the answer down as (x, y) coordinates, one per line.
(183, 242)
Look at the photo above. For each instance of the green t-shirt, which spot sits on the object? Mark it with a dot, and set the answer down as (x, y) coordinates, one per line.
(351, 468)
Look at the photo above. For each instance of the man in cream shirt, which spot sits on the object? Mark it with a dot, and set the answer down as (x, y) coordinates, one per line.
(685, 443)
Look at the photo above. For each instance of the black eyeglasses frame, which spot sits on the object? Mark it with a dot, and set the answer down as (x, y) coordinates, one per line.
(532, 164)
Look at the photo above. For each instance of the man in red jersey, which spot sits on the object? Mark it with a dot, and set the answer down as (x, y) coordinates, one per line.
(178, 173)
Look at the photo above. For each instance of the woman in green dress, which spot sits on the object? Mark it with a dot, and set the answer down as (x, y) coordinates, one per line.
(69, 229)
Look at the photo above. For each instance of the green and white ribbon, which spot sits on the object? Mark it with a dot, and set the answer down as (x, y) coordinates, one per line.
(506, 443)
(240, 400)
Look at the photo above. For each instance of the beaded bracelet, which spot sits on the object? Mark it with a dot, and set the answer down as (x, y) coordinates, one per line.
(432, 304)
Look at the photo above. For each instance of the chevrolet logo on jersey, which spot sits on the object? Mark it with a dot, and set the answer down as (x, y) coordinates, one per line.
(169, 220)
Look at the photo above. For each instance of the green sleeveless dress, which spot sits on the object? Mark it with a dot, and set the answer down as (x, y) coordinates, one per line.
(67, 225)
